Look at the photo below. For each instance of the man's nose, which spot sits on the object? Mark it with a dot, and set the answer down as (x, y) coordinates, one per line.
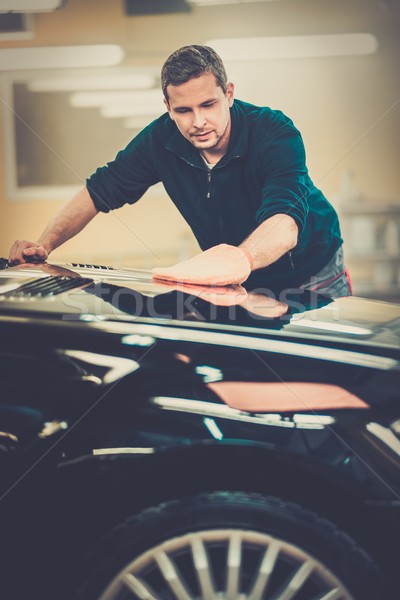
(199, 119)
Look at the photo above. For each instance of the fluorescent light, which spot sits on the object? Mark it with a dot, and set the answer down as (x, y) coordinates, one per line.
(142, 103)
(121, 81)
(216, 2)
(29, 5)
(301, 46)
(83, 99)
(129, 110)
(60, 57)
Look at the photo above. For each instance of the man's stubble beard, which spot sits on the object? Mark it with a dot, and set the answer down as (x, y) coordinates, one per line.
(215, 144)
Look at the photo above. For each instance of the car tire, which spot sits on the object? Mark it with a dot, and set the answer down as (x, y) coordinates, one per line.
(229, 545)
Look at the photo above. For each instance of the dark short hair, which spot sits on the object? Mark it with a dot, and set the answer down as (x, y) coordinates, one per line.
(190, 62)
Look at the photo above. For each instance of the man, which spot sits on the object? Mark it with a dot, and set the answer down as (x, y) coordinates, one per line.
(237, 174)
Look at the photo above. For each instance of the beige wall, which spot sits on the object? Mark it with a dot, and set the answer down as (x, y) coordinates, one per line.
(345, 107)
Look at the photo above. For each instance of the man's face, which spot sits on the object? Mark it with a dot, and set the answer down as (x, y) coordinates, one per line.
(200, 110)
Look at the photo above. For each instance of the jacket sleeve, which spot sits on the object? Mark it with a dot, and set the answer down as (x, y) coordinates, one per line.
(127, 177)
(284, 177)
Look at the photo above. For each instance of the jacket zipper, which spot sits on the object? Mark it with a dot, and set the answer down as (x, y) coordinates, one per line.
(208, 195)
(291, 259)
(209, 178)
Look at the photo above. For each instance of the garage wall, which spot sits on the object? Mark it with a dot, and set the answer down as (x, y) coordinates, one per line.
(348, 109)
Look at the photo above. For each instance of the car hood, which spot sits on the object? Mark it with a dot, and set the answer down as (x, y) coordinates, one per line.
(84, 292)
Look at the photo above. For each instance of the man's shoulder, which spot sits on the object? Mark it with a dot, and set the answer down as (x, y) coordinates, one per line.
(262, 115)
(162, 127)
(153, 136)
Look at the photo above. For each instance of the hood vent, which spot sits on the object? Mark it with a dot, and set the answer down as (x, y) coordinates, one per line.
(47, 287)
(87, 266)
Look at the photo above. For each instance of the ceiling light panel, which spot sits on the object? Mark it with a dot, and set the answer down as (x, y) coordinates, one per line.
(60, 57)
(122, 81)
(302, 46)
(217, 2)
(130, 110)
(29, 5)
(139, 98)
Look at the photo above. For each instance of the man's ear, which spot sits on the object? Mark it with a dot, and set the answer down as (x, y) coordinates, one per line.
(230, 88)
(168, 108)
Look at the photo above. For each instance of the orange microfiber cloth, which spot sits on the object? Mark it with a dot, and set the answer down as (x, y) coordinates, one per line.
(219, 265)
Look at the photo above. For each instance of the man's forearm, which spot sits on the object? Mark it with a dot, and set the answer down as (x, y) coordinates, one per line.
(271, 240)
(71, 219)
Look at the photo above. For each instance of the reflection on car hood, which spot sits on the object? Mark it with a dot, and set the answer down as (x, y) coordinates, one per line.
(78, 291)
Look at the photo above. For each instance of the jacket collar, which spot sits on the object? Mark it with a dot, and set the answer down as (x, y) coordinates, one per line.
(238, 142)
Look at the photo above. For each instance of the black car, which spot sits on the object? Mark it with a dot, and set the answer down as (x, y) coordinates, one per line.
(173, 442)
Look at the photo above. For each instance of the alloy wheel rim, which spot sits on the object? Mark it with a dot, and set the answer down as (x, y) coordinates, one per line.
(226, 564)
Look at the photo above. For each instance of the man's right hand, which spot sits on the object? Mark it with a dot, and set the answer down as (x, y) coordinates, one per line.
(23, 251)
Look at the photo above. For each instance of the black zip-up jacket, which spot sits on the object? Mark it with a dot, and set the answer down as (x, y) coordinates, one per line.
(263, 173)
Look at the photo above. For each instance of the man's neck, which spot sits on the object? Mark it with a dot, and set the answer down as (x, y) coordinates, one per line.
(212, 157)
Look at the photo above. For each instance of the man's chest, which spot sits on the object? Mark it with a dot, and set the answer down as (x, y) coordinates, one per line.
(219, 203)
